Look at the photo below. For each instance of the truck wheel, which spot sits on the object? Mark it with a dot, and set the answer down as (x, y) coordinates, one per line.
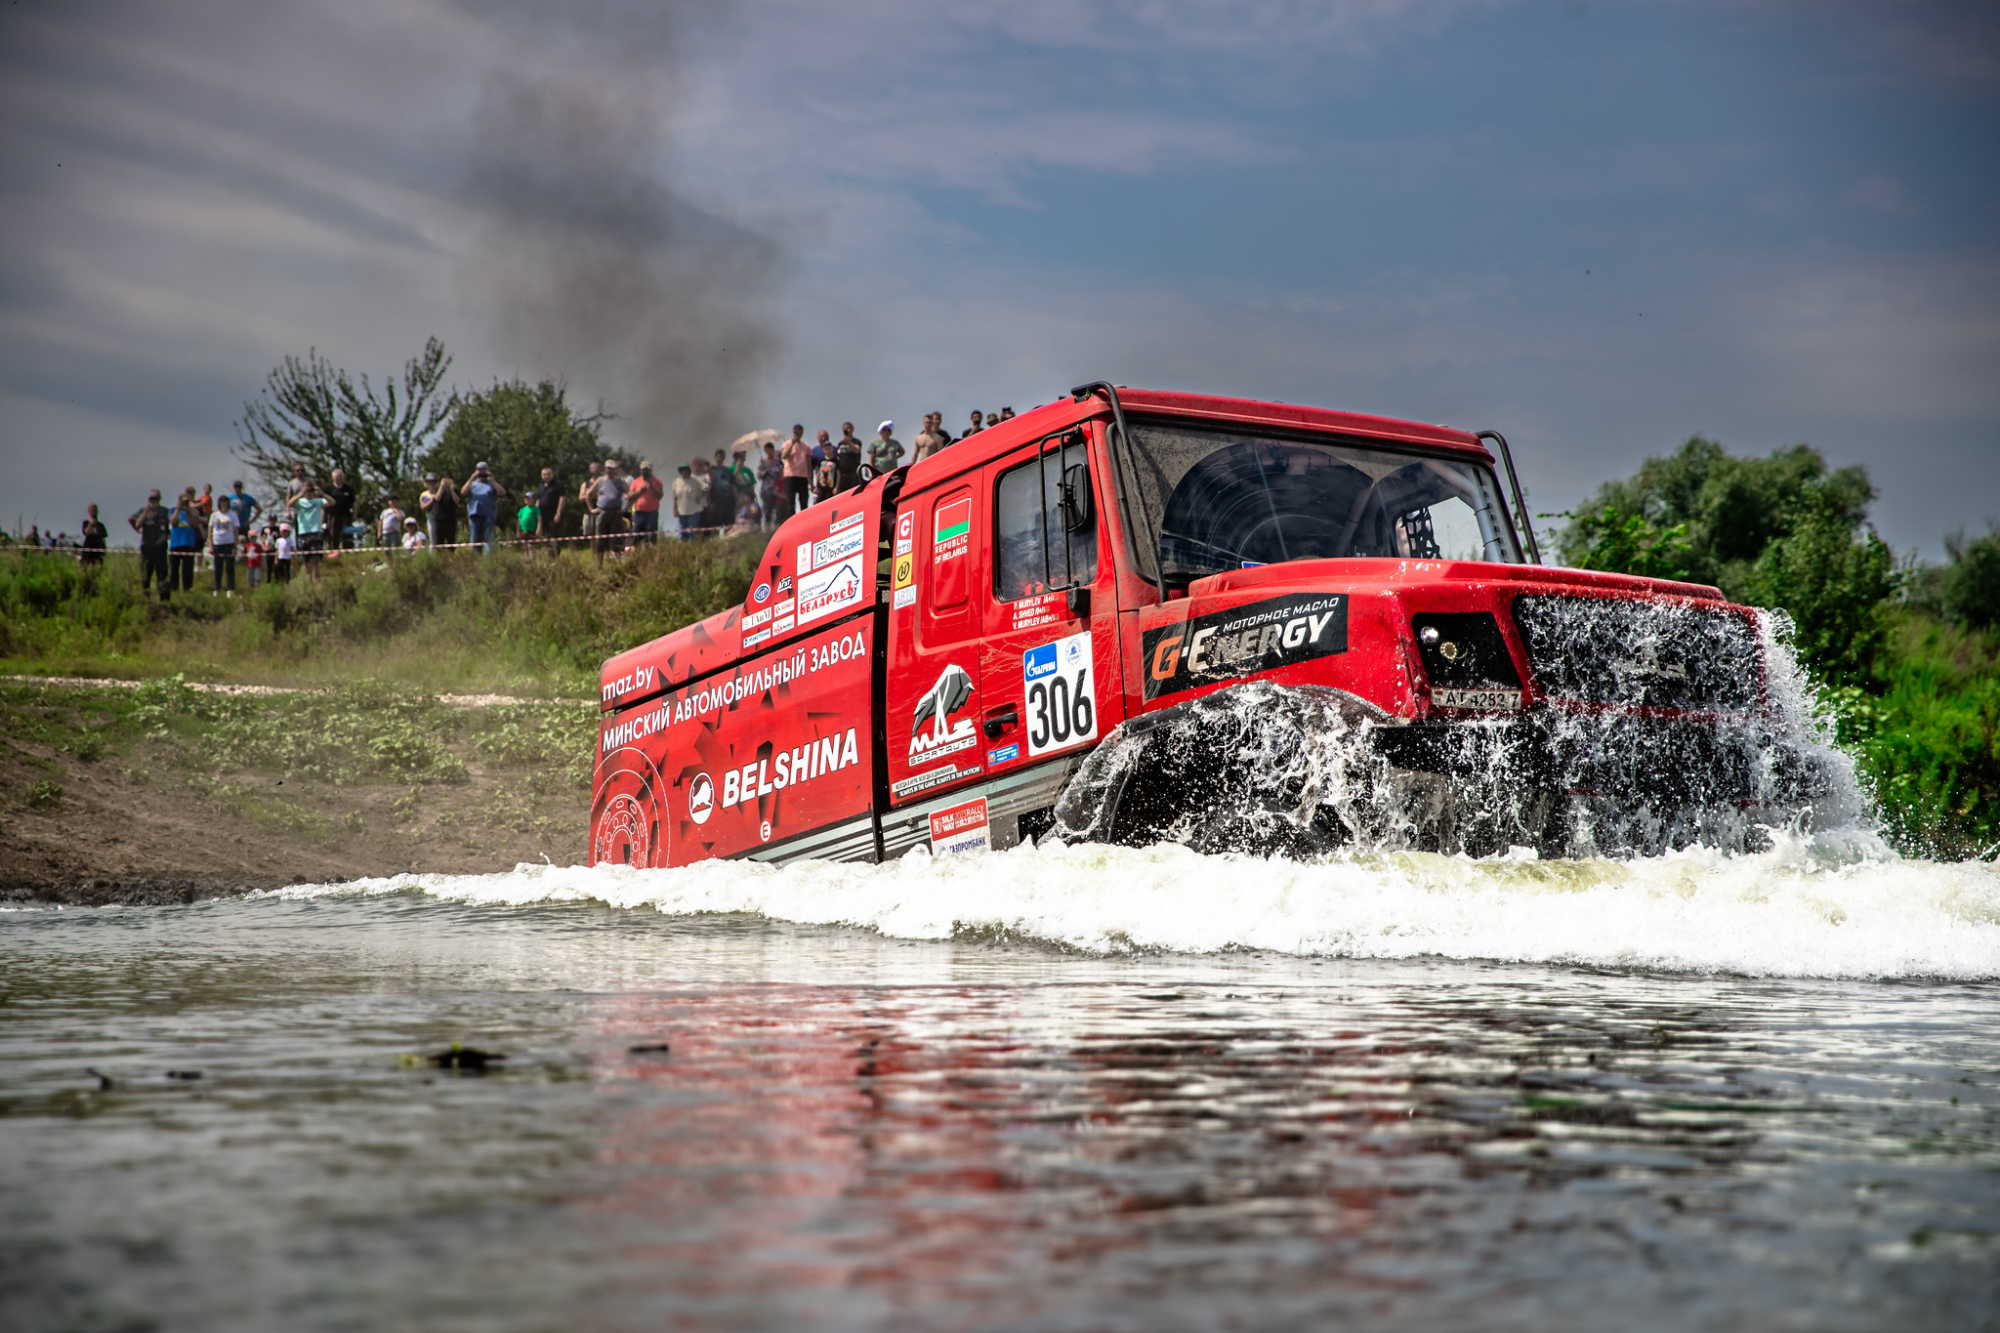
(1260, 768)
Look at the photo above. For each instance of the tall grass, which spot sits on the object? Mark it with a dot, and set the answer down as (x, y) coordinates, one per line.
(510, 623)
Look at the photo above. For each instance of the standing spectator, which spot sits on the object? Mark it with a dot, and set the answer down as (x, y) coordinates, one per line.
(222, 546)
(644, 496)
(281, 564)
(95, 534)
(770, 483)
(309, 518)
(427, 502)
(978, 424)
(690, 499)
(253, 561)
(413, 536)
(846, 462)
(33, 541)
(482, 506)
(798, 472)
(746, 481)
(608, 504)
(549, 498)
(339, 512)
(826, 481)
(931, 439)
(585, 499)
(151, 522)
(1006, 414)
(184, 542)
(886, 450)
(244, 505)
(389, 527)
(721, 495)
(296, 487)
(444, 513)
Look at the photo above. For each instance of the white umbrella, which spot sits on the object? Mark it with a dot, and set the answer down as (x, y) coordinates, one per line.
(755, 439)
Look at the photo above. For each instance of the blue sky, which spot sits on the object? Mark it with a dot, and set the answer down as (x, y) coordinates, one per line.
(1598, 228)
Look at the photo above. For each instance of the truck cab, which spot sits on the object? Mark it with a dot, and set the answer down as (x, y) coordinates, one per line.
(941, 655)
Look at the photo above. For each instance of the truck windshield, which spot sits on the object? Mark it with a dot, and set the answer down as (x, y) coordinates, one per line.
(1220, 499)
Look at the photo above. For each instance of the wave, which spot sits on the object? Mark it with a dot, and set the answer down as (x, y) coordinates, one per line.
(1832, 905)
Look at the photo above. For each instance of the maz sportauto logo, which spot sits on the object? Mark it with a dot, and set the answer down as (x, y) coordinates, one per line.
(701, 798)
(945, 736)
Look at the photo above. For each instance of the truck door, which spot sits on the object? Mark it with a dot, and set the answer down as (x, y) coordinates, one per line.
(1050, 681)
(931, 695)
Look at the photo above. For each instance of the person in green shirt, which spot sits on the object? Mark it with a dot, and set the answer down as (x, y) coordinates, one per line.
(309, 523)
(885, 449)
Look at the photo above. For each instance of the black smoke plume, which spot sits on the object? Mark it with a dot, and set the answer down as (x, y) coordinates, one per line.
(597, 268)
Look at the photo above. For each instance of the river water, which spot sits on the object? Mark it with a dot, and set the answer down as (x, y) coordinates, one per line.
(1050, 1088)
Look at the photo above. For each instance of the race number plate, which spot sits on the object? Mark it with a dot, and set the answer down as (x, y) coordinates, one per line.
(1061, 694)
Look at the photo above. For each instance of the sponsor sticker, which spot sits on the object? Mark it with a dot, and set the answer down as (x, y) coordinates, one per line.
(756, 618)
(701, 798)
(1502, 699)
(788, 768)
(961, 829)
(940, 725)
(762, 594)
(784, 585)
(825, 591)
(851, 521)
(752, 640)
(837, 547)
(936, 777)
(1061, 694)
(1244, 640)
(906, 570)
(906, 531)
(1004, 754)
(905, 597)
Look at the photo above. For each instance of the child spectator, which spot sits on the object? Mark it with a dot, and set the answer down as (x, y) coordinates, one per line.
(281, 568)
(253, 561)
(389, 526)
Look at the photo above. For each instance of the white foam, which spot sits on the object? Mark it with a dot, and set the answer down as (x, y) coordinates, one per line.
(1827, 907)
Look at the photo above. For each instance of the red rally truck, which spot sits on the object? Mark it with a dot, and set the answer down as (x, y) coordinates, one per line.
(1132, 615)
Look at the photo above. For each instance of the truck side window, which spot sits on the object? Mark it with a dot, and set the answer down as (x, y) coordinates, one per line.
(1034, 554)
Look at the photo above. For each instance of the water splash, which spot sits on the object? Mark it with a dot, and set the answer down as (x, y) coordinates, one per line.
(1671, 725)
(1829, 905)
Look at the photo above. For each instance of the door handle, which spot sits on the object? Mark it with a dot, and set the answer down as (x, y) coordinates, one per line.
(999, 719)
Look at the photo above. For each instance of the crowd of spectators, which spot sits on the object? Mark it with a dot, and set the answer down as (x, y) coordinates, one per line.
(726, 492)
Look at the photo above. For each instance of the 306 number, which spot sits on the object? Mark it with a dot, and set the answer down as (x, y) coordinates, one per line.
(1060, 712)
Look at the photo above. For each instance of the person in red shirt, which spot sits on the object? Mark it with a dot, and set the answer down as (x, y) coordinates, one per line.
(644, 497)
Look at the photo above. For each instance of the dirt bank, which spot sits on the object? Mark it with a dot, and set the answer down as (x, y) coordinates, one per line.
(117, 796)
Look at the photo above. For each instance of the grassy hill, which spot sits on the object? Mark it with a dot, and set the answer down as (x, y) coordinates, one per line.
(511, 623)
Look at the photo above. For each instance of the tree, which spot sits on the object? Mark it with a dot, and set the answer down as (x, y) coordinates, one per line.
(1730, 508)
(1625, 544)
(1833, 576)
(312, 412)
(1971, 592)
(518, 431)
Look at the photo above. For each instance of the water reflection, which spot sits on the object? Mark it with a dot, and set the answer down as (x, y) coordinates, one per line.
(1123, 1156)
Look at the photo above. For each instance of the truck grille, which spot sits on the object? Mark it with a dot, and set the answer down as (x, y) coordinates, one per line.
(1640, 654)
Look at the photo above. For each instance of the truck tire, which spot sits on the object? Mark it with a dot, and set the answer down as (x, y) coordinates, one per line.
(1260, 769)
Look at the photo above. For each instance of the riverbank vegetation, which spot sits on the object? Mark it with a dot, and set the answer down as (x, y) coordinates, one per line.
(515, 623)
(1907, 655)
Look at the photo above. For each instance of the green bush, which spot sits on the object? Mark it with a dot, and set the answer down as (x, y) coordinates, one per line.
(1970, 591)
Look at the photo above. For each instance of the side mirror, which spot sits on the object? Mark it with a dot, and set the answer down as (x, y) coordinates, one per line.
(1076, 509)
